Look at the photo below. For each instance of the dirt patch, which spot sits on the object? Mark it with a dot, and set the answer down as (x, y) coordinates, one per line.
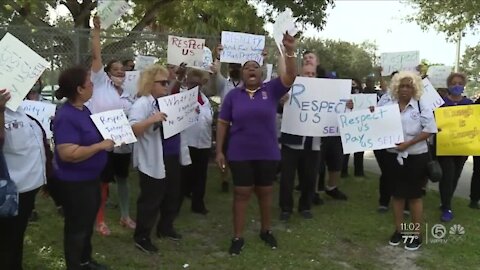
(398, 258)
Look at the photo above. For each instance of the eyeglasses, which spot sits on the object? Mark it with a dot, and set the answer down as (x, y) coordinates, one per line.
(163, 82)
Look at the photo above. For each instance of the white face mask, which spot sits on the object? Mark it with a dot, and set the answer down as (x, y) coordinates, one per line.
(117, 81)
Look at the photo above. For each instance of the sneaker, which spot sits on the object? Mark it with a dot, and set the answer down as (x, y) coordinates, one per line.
(306, 214)
(447, 215)
(406, 213)
(382, 209)
(93, 265)
(268, 238)
(474, 205)
(33, 216)
(146, 246)
(284, 216)
(336, 194)
(414, 245)
(317, 200)
(203, 211)
(236, 246)
(395, 239)
(172, 235)
(225, 186)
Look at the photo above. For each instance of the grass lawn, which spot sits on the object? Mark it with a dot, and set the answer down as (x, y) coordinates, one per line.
(342, 235)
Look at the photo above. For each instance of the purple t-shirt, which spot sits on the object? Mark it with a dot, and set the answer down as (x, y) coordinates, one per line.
(171, 146)
(253, 131)
(449, 102)
(75, 126)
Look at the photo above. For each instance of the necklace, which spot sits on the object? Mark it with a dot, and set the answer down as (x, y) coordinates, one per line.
(251, 93)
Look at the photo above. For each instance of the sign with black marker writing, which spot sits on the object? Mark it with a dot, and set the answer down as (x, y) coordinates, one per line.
(114, 125)
(41, 111)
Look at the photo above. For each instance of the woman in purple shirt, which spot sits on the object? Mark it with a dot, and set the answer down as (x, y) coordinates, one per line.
(249, 113)
(80, 156)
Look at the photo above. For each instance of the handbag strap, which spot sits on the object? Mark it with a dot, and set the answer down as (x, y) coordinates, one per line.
(3, 167)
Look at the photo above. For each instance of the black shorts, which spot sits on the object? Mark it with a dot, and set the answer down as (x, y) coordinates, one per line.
(253, 172)
(117, 165)
(331, 152)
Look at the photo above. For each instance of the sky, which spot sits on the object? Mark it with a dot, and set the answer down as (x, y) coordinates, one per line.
(384, 22)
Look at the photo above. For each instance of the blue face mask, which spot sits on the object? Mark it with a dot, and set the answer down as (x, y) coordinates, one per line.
(456, 90)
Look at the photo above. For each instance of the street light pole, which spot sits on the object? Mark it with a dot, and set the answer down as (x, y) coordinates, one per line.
(457, 59)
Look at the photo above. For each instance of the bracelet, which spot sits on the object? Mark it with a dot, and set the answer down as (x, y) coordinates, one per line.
(293, 55)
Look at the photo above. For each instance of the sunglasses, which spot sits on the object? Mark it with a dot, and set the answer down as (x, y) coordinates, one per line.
(163, 82)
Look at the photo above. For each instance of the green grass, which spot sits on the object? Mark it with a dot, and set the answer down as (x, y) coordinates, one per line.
(342, 235)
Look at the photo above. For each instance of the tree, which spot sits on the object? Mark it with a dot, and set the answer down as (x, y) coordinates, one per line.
(447, 16)
(470, 65)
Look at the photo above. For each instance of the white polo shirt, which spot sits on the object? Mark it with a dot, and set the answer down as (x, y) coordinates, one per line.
(316, 141)
(24, 151)
(148, 150)
(199, 135)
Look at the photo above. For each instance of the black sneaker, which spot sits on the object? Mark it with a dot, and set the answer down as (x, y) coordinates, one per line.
(306, 214)
(146, 246)
(317, 200)
(225, 186)
(93, 265)
(172, 235)
(382, 209)
(285, 216)
(33, 216)
(474, 205)
(236, 246)
(414, 245)
(203, 211)
(396, 239)
(336, 194)
(268, 238)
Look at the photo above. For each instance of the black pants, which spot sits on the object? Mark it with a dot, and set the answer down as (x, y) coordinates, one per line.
(12, 232)
(171, 200)
(194, 177)
(357, 164)
(384, 185)
(452, 167)
(305, 162)
(80, 201)
(475, 183)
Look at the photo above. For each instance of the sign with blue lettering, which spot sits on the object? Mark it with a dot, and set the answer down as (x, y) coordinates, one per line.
(365, 130)
(240, 47)
(313, 106)
(114, 125)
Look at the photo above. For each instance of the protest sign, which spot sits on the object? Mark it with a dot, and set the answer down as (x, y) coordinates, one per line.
(269, 73)
(207, 60)
(41, 111)
(430, 95)
(20, 68)
(142, 61)
(364, 101)
(240, 47)
(111, 10)
(185, 50)
(365, 130)
(131, 81)
(399, 61)
(313, 106)
(181, 111)
(114, 125)
(459, 132)
(284, 23)
(438, 75)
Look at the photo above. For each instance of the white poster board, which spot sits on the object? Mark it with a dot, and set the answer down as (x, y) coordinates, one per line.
(131, 82)
(111, 10)
(398, 61)
(114, 125)
(240, 47)
(430, 95)
(364, 101)
(20, 68)
(41, 111)
(185, 50)
(364, 130)
(438, 75)
(313, 106)
(269, 73)
(143, 61)
(284, 23)
(181, 111)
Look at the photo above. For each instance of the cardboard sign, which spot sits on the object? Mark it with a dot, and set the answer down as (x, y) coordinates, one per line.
(185, 50)
(41, 111)
(313, 106)
(269, 73)
(114, 125)
(399, 61)
(438, 75)
(20, 68)
(131, 82)
(110, 11)
(181, 110)
(284, 23)
(363, 130)
(240, 47)
(430, 95)
(459, 132)
(364, 101)
(142, 61)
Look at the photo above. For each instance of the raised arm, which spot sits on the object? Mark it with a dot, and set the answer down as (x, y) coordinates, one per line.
(96, 47)
(288, 77)
(4, 97)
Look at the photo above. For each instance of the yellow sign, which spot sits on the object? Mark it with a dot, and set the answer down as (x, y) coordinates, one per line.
(459, 130)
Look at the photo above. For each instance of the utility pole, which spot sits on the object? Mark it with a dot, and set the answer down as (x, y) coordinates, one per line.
(457, 58)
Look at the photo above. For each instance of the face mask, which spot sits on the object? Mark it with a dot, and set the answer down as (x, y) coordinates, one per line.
(235, 74)
(456, 90)
(117, 81)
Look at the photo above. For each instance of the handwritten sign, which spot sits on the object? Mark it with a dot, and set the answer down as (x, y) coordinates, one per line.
(313, 106)
(430, 95)
(20, 68)
(181, 111)
(185, 50)
(363, 130)
(269, 73)
(460, 133)
(41, 111)
(438, 75)
(284, 23)
(241, 47)
(110, 10)
(207, 60)
(364, 101)
(399, 61)
(114, 125)
(143, 61)
(131, 81)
